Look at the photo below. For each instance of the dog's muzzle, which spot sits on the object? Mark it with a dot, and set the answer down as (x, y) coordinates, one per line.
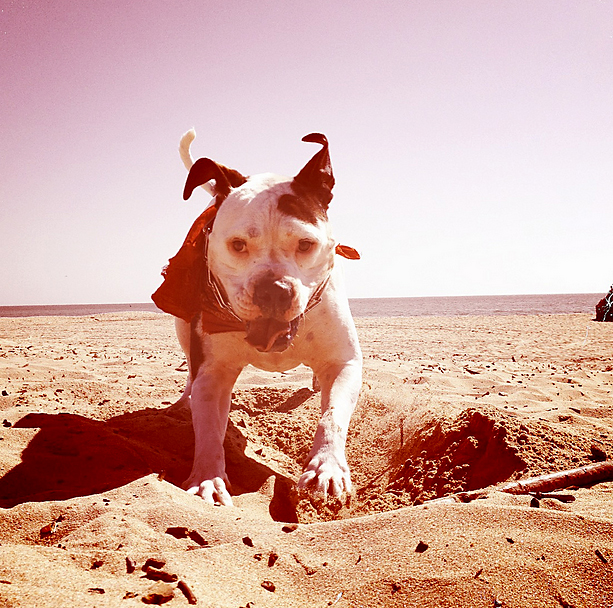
(274, 297)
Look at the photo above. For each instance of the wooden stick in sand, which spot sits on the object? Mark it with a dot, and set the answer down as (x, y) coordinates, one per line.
(583, 476)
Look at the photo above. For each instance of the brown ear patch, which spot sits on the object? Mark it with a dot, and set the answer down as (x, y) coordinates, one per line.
(316, 176)
(306, 207)
(204, 170)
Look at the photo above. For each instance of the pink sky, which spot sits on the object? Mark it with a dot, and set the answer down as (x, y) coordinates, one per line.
(472, 141)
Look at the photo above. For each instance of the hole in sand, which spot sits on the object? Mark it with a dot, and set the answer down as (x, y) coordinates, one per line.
(447, 456)
(439, 455)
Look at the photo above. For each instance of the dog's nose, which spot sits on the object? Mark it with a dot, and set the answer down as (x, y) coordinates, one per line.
(273, 296)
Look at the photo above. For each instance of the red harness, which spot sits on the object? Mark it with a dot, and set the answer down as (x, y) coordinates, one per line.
(189, 288)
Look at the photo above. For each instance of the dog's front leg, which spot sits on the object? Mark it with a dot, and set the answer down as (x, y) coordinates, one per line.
(327, 471)
(211, 394)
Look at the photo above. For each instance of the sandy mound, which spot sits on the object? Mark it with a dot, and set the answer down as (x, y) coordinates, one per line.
(92, 454)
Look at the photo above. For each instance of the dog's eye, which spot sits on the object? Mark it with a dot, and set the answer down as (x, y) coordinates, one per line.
(305, 245)
(239, 245)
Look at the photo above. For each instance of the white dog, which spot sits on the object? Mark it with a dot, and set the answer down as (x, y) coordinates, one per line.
(256, 283)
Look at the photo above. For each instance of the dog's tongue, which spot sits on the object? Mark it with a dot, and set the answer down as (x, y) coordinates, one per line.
(263, 333)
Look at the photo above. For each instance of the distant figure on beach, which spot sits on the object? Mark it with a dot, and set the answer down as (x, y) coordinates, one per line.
(604, 308)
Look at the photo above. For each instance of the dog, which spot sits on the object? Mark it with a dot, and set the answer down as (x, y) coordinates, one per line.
(256, 282)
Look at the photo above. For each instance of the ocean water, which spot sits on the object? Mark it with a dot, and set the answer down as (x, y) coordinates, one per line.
(73, 310)
(376, 307)
(557, 304)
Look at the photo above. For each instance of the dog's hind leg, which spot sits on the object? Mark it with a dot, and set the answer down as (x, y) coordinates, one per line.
(181, 406)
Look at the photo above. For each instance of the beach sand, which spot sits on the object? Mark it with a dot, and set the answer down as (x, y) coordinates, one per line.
(92, 456)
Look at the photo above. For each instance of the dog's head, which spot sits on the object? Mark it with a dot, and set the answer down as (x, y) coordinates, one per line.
(270, 248)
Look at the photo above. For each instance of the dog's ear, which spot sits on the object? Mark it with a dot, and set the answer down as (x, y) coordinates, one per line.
(316, 177)
(204, 170)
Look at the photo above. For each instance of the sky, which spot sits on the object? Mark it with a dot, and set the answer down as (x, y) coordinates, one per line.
(471, 140)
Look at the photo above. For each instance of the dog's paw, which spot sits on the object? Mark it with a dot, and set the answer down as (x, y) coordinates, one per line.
(327, 475)
(213, 491)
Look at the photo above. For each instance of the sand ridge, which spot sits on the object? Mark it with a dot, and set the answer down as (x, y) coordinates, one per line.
(92, 453)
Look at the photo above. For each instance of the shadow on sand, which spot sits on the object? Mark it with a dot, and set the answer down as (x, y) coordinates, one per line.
(75, 456)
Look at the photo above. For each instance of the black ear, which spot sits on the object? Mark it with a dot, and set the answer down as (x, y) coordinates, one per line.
(316, 177)
(204, 170)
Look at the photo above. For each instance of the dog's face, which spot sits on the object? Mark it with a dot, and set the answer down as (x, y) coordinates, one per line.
(271, 248)
(269, 261)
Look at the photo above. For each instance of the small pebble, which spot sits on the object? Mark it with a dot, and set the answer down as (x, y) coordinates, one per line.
(187, 592)
(160, 575)
(597, 453)
(153, 563)
(272, 559)
(197, 538)
(160, 593)
(601, 557)
(177, 531)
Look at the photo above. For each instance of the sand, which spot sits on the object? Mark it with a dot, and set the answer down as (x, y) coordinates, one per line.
(92, 456)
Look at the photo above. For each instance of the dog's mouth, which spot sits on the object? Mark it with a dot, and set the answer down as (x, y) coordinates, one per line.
(271, 335)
